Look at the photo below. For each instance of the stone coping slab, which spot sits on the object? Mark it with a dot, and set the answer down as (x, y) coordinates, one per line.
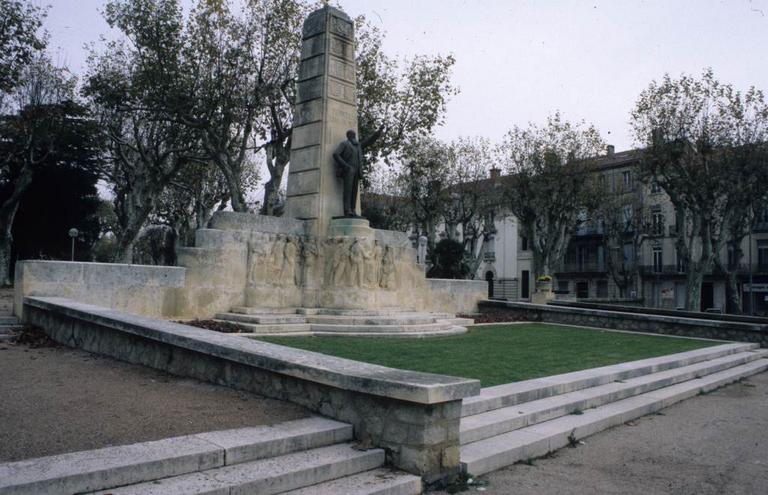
(410, 386)
(678, 320)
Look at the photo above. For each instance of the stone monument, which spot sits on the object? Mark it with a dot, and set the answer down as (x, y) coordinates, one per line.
(320, 257)
(324, 111)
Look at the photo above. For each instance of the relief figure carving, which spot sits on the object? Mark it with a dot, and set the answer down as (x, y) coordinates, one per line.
(288, 272)
(258, 250)
(387, 280)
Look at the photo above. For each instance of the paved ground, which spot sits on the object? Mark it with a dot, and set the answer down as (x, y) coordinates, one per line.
(55, 400)
(709, 445)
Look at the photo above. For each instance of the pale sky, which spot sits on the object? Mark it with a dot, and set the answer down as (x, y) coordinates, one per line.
(518, 61)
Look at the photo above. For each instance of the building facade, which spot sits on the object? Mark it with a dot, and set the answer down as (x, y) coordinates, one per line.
(630, 257)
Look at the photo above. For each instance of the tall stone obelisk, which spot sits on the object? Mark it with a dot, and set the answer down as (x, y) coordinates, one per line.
(325, 109)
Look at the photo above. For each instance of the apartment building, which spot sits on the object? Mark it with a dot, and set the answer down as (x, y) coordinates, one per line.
(596, 262)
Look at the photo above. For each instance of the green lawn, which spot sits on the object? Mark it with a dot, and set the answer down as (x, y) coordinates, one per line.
(500, 354)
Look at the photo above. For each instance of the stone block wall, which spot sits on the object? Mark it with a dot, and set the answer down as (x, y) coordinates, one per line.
(414, 416)
(635, 322)
(139, 289)
(455, 296)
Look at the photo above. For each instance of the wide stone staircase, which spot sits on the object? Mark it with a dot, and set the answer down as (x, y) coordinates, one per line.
(9, 324)
(307, 456)
(343, 322)
(523, 420)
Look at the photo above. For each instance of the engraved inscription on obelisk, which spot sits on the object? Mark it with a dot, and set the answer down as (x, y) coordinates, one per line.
(325, 109)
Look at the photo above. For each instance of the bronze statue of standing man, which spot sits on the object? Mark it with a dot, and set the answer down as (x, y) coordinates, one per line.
(349, 167)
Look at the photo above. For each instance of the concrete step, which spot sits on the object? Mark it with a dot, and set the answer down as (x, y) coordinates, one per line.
(262, 319)
(451, 331)
(276, 334)
(357, 312)
(110, 467)
(346, 329)
(462, 322)
(6, 337)
(10, 329)
(375, 482)
(405, 319)
(534, 441)
(9, 320)
(288, 328)
(524, 391)
(499, 421)
(247, 310)
(266, 476)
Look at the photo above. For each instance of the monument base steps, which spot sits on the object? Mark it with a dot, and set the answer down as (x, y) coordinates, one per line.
(311, 455)
(523, 420)
(389, 322)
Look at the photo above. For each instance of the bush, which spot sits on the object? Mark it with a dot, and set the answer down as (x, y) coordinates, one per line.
(449, 260)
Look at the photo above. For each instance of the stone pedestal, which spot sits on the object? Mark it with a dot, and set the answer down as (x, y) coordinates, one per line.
(325, 109)
(543, 293)
(350, 227)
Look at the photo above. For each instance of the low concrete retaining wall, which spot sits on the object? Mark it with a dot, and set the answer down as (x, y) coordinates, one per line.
(663, 312)
(139, 289)
(617, 320)
(414, 416)
(456, 296)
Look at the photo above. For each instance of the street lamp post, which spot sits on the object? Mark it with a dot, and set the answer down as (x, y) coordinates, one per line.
(73, 233)
(751, 285)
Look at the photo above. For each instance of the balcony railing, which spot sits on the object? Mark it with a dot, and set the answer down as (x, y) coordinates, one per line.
(585, 230)
(661, 270)
(586, 267)
(757, 268)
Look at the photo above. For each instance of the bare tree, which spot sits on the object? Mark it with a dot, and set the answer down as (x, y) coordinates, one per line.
(127, 86)
(551, 180)
(37, 108)
(700, 135)
(623, 220)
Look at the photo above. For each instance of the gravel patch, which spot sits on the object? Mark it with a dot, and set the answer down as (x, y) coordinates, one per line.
(55, 399)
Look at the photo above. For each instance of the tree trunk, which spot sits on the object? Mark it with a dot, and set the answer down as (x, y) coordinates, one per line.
(7, 214)
(732, 294)
(126, 239)
(5, 259)
(282, 156)
(693, 280)
(237, 198)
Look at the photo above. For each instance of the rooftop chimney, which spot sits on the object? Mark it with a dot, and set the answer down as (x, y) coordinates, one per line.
(495, 173)
(611, 150)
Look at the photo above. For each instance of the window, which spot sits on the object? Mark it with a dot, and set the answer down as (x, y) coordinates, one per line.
(626, 179)
(655, 187)
(582, 290)
(762, 255)
(602, 288)
(524, 243)
(761, 219)
(679, 262)
(657, 223)
(603, 183)
(731, 256)
(658, 261)
(562, 286)
(627, 212)
(629, 256)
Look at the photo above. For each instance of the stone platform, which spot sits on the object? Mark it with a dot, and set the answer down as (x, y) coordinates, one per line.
(254, 261)
(391, 322)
